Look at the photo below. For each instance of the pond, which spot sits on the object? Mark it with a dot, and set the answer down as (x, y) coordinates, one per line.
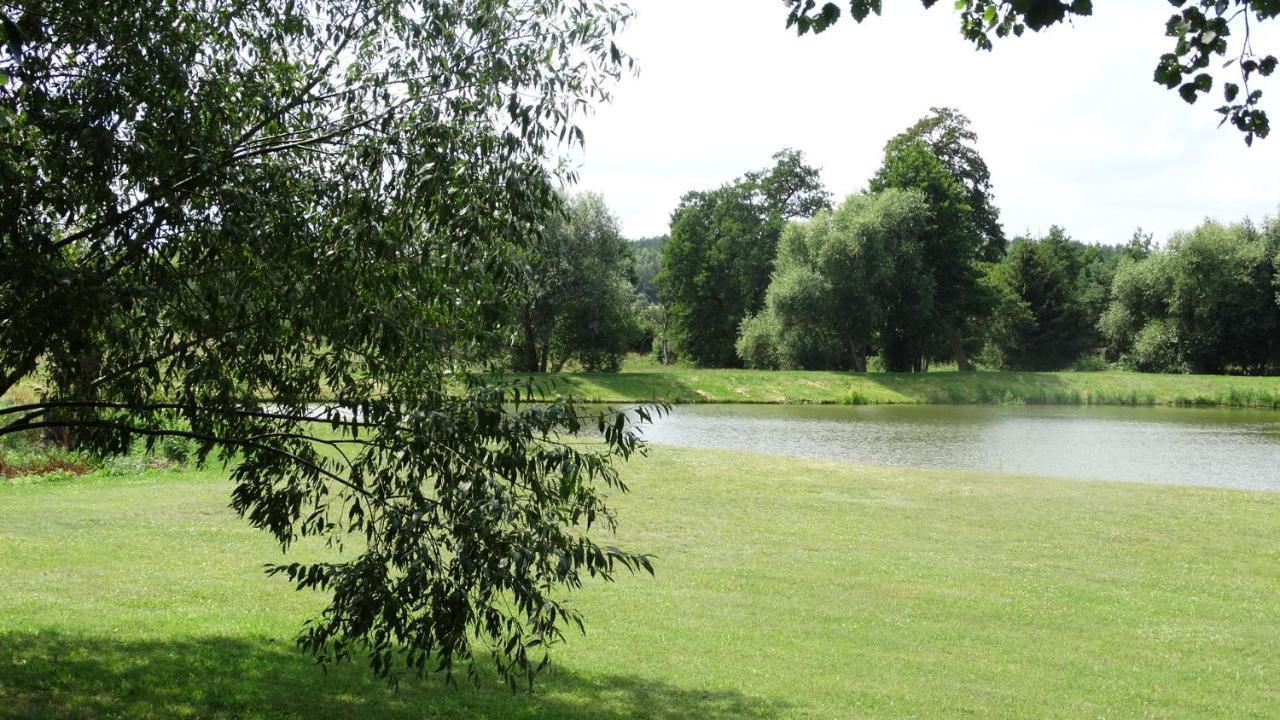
(1213, 447)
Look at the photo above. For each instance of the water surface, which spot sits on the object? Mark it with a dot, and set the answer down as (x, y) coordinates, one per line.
(1215, 447)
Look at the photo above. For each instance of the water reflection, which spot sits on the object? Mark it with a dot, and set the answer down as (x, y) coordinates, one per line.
(1224, 448)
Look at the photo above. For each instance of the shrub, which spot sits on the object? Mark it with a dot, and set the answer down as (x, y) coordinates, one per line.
(756, 344)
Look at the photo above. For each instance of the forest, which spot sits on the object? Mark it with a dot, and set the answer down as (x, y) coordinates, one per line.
(768, 271)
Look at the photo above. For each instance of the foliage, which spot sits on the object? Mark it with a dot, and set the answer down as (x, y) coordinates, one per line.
(1205, 303)
(646, 261)
(790, 189)
(578, 296)
(757, 341)
(1138, 293)
(799, 307)
(1044, 275)
(1202, 30)
(949, 136)
(924, 319)
(40, 462)
(213, 213)
(1005, 321)
(835, 275)
(654, 321)
(1155, 348)
(717, 245)
(718, 260)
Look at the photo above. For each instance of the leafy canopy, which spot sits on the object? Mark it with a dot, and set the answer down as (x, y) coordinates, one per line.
(836, 275)
(950, 137)
(214, 213)
(718, 259)
(1206, 303)
(1044, 275)
(1203, 32)
(579, 301)
(929, 312)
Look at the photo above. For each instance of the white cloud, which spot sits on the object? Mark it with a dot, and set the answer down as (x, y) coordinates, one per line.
(1070, 122)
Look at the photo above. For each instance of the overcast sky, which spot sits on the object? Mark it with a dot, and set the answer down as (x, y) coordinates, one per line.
(1073, 128)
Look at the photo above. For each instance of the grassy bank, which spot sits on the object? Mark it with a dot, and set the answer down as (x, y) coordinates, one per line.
(686, 385)
(785, 589)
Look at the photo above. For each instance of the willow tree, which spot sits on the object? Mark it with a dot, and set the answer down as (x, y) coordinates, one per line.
(838, 277)
(578, 301)
(215, 213)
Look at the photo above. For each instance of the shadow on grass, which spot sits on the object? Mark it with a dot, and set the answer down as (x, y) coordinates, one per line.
(620, 387)
(50, 675)
(979, 388)
(833, 387)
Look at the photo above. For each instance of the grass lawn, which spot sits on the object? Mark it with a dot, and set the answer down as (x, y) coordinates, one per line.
(786, 588)
(691, 385)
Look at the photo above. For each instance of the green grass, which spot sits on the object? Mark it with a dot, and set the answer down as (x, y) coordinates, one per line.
(785, 589)
(690, 385)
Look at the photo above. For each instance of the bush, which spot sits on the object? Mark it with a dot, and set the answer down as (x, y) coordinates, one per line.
(756, 344)
(1155, 349)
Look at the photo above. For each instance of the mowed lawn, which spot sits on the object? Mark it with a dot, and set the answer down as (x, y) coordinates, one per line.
(785, 588)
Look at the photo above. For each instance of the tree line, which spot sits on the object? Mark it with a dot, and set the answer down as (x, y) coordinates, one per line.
(765, 272)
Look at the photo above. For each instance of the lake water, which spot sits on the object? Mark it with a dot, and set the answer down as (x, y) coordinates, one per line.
(1217, 447)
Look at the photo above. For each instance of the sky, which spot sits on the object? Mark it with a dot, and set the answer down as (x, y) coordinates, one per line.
(1072, 126)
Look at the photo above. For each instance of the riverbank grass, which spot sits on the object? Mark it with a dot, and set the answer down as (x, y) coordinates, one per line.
(690, 385)
(785, 588)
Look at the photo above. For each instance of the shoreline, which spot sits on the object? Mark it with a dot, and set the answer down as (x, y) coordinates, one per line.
(690, 386)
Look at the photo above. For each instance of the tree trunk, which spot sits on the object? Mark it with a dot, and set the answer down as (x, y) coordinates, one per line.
(546, 353)
(957, 352)
(529, 348)
(857, 358)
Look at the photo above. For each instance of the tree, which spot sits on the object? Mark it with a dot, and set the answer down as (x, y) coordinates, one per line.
(949, 249)
(1206, 303)
(757, 342)
(1098, 265)
(1044, 274)
(1139, 295)
(836, 275)
(1202, 30)
(717, 245)
(214, 214)
(790, 189)
(949, 136)
(717, 262)
(646, 256)
(578, 301)
(1222, 301)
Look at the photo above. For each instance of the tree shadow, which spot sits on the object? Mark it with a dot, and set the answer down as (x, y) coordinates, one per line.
(619, 388)
(978, 387)
(841, 387)
(53, 675)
